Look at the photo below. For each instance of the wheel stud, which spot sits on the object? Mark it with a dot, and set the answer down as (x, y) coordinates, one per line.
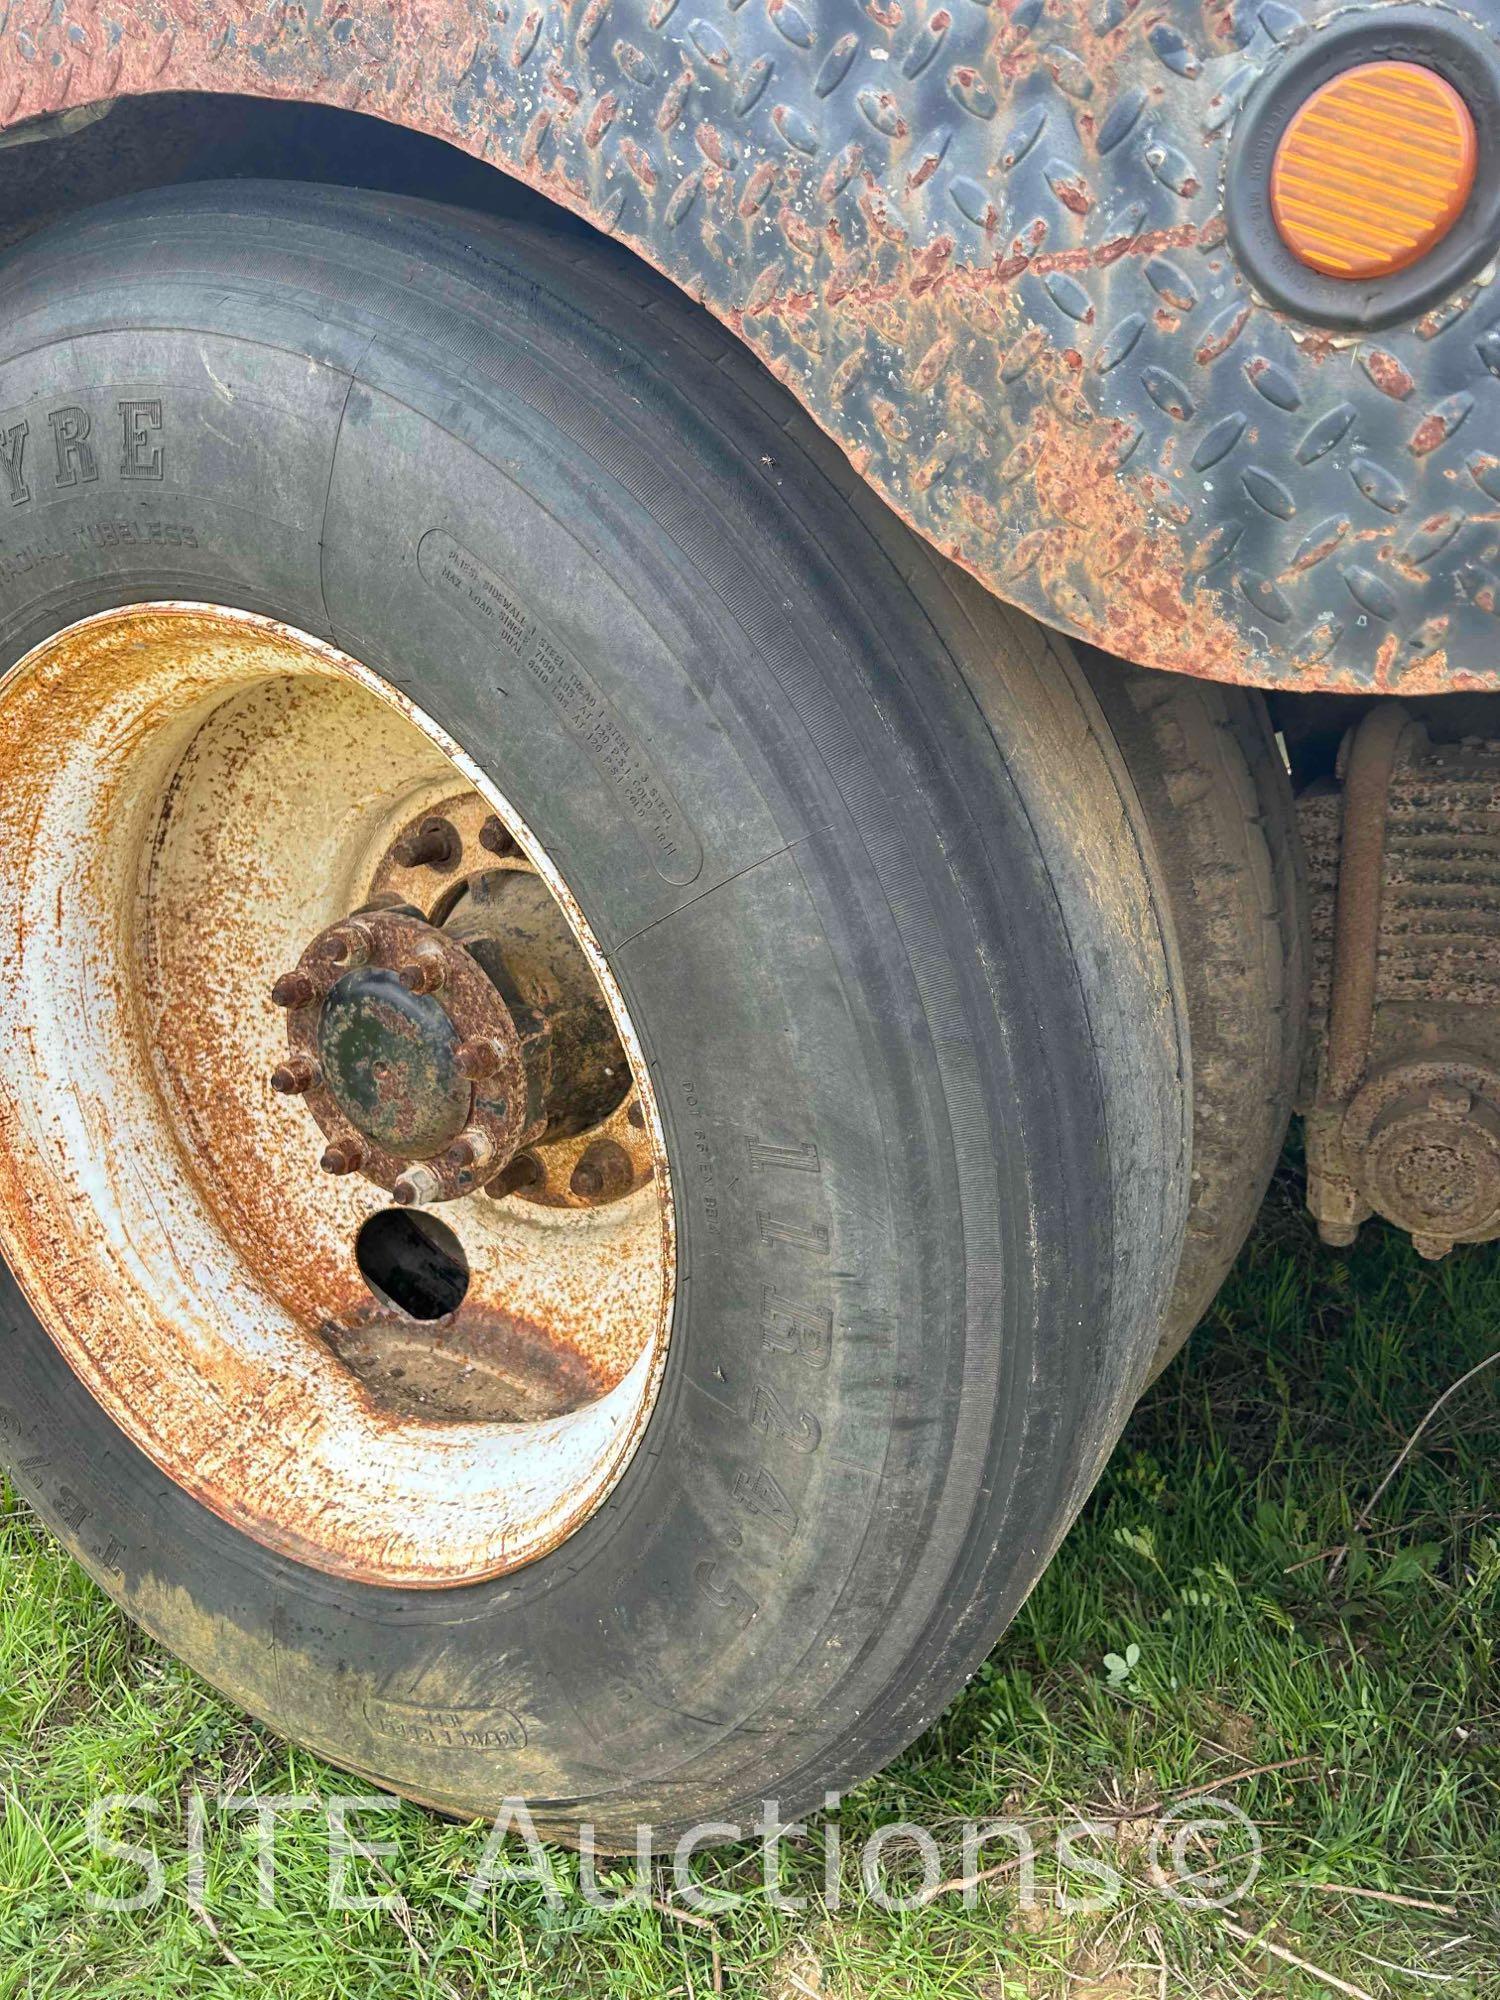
(495, 837)
(602, 1173)
(433, 844)
(417, 1184)
(475, 1060)
(346, 947)
(342, 1157)
(422, 975)
(524, 1171)
(296, 1074)
(470, 1149)
(293, 989)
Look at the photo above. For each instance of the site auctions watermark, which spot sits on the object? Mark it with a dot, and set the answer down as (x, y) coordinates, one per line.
(1204, 1853)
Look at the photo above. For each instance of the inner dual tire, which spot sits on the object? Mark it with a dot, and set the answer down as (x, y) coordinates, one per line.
(874, 894)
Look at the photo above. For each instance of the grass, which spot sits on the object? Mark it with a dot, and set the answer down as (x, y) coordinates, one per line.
(1193, 1626)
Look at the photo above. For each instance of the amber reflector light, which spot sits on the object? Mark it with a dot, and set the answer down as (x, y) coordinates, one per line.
(1373, 170)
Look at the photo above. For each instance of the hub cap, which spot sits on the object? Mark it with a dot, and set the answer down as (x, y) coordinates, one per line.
(410, 1060)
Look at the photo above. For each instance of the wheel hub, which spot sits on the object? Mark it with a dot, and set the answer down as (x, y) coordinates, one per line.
(406, 1054)
(1424, 1137)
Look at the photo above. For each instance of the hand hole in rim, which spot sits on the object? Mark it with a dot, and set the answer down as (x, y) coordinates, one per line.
(412, 1261)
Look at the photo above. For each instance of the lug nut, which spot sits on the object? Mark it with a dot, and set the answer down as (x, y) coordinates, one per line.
(293, 989)
(348, 946)
(637, 1115)
(296, 1074)
(470, 1149)
(417, 1184)
(433, 844)
(424, 974)
(1450, 1100)
(343, 1157)
(476, 1060)
(496, 838)
(524, 1171)
(602, 1173)
(1433, 1248)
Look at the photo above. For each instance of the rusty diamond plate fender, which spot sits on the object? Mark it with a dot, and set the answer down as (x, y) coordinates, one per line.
(984, 245)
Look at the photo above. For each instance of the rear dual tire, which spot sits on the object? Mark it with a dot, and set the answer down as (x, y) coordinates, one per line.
(864, 860)
(1213, 784)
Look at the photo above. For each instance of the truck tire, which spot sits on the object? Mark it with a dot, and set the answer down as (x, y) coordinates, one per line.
(869, 894)
(1214, 786)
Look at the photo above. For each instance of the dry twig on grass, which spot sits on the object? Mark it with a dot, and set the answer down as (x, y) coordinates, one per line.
(1290, 1958)
(1384, 1896)
(1405, 1453)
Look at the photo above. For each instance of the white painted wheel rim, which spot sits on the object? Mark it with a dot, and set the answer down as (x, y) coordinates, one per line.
(158, 759)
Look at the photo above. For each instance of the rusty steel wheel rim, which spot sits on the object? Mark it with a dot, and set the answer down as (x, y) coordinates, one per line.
(198, 805)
